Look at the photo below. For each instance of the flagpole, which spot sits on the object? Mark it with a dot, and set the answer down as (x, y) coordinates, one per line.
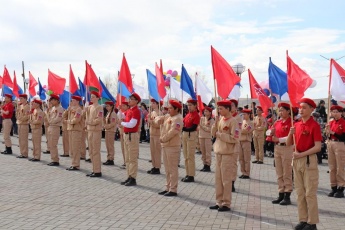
(329, 91)
(69, 82)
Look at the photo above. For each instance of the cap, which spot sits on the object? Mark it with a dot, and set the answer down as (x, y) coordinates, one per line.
(259, 107)
(109, 103)
(284, 105)
(54, 96)
(208, 108)
(234, 101)
(224, 103)
(136, 96)
(37, 101)
(165, 108)
(337, 107)
(23, 95)
(76, 97)
(8, 95)
(191, 100)
(308, 101)
(175, 104)
(95, 93)
(249, 111)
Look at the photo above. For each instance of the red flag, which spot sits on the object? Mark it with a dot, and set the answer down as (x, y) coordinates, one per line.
(0, 82)
(161, 66)
(119, 99)
(125, 75)
(298, 82)
(6, 78)
(91, 79)
(15, 85)
(201, 106)
(73, 86)
(223, 73)
(257, 92)
(160, 83)
(32, 84)
(56, 83)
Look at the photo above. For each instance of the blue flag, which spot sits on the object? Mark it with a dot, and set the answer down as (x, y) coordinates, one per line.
(277, 79)
(65, 99)
(187, 84)
(152, 83)
(105, 92)
(20, 90)
(82, 89)
(124, 91)
(7, 90)
(41, 91)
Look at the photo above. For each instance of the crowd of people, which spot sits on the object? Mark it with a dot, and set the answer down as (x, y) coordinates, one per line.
(294, 137)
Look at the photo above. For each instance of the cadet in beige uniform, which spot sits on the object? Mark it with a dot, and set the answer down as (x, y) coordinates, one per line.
(225, 130)
(259, 136)
(23, 115)
(171, 145)
(245, 144)
(94, 118)
(65, 135)
(46, 125)
(121, 116)
(74, 127)
(110, 124)
(55, 121)
(205, 137)
(36, 122)
(155, 145)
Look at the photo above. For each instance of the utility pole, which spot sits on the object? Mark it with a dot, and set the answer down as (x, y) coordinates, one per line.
(23, 75)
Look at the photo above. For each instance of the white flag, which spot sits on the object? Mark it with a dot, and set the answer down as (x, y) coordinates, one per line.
(142, 91)
(203, 91)
(337, 81)
(235, 93)
(176, 92)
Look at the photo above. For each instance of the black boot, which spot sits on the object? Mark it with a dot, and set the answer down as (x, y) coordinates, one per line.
(203, 169)
(339, 193)
(5, 151)
(207, 168)
(8, 150)
(286, 200)
(334, 190)
(233, 187)
(131, 182)
(156, 171)
(279, 198)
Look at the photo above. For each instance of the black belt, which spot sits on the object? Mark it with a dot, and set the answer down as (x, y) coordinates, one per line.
(334, 140)
(129, 135)
(281, 144)
(129, 132)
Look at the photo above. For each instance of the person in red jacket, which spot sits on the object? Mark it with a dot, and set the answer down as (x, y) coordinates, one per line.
(7, 113)
(336, 152)
(131, 139)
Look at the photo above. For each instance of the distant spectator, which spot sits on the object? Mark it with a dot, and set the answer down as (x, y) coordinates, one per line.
(321, 109)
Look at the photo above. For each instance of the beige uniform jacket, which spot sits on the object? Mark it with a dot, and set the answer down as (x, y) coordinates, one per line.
(37, 119)
(247, 130)
(55, 116)
(229, 135)
(110, 122)
(260, 124)
(74, 119)
(205, 127)
(23, 114)
(171, 130)
(154, 127)
(94, 117)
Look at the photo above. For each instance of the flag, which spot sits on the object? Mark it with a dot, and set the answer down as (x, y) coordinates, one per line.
(105, 92)
(73, 87)
(176, 91)
(91, 80)
(152, 85)
(225, 77)
(6, 78)
(56, 83)
(15, 85)
(65, 99)
(7, 90)
(235, 92)
(277, 79)
(203, 91)
(160, 83)
(161, 66)
(82, 89)
(41, 91)
(32, 84)
(337, 81)
(257, 92)
(0, 82)
(201, 106)
(141, 91)
(125, 75)
(186, 83)
(298, 82)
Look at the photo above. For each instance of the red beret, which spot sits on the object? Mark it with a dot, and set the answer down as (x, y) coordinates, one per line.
(259, 107)
(308, 101)
(249, 111)
(95, 93)
(191, 100)
(8, 95)
(165, 108)
(136, 96)
(90, 103)
(269, 120)
(37, 101)
(285, 105)
(208, 109)
(54, 96)
(124, 103)
(175, 104)
(23, 95)
(224, 103)
(109, 103)
(77, 98)
(160, 102)
(337, 107)
(234, 101)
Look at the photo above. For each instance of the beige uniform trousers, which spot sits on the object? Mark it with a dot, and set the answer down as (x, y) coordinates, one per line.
(244, 157)
(75, 145)
(94, 139)
(259, 141)
(306, 180)
(109, 144)
(170, 160)
(47, 136)
(235, 162)
(336, 163)
(53, 139)
(156, 152)
(83, 144)
(283, 162)
(206, 150)
(223, 176)
(189, 144)
(23, 131)
(122, 141)
(131, 145)
(7, 126)
(36, 135)
(65, 142)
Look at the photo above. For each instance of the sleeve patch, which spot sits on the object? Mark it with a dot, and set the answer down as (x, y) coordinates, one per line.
(178, 126)
(77, 115)
(40, 117)
(113, 119)
(100, 114)
(60, 114)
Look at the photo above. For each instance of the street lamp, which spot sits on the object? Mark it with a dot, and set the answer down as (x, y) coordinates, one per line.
(238, 69)
(26, 84)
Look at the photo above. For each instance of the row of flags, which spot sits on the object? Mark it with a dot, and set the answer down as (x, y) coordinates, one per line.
(294, 82)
